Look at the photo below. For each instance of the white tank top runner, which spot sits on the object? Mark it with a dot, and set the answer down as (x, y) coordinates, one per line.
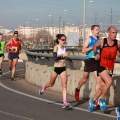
(61, 51)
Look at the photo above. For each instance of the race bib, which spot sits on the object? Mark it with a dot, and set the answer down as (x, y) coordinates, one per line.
(14, 49)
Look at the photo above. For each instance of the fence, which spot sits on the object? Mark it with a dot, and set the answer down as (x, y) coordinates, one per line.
(45, 57)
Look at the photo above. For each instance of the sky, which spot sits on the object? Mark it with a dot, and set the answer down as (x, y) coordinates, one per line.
(25, 12)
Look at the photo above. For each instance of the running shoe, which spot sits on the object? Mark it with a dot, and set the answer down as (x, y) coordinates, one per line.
(102, 104)
(117, 109)
(77, 94)
(92, 105)
(67, 106)
(0, 73)
(12, 78)
(41, 91)
(96, 104)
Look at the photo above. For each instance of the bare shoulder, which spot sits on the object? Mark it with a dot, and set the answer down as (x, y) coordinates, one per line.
(86, 43)
(55, 48)
(87, 39)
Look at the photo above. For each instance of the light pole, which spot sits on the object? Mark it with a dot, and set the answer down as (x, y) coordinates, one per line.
(69, 26)
(84, 20)
(101, 27)
(119, 26)
(64, 22)
(37, 23)
(37, 30)
(59, 24)
(89, 15)
(27, 24)
(51, 23)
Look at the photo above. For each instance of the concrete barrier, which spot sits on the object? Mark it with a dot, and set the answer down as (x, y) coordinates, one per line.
(39, 74)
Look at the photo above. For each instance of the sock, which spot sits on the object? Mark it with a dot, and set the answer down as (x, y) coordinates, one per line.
(64, 101)
(43, 87)
(77, 90)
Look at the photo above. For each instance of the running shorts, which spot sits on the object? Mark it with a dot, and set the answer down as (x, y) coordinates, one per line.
(1, 55)
(101, 69)
(12, 56)
(91, 65)
(59, 70)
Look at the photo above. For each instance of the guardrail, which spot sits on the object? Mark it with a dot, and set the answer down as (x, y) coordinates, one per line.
(45, 57)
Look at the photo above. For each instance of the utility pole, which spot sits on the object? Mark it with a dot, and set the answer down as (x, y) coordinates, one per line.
(95, 18)
(84, 20)
(111, 17)
(48, 32)
(52, 28)
(59, 24)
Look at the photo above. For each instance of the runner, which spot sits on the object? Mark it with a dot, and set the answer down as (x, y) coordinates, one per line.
(109, 47)
(14, 46)
(2, 46)
(117, 109)
(91, 61)
(59, 68)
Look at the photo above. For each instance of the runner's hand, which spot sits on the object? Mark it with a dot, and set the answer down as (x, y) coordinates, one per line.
(66, 54)
(118, 54)
(97, 57)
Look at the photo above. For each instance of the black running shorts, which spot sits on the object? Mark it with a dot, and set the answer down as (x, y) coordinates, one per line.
(91, 65)
(101, 69)
(59, 70)
(1, 55)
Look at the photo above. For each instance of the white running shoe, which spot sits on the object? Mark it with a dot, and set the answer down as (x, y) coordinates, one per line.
(117, 109)
(41, 91)
(67, 106)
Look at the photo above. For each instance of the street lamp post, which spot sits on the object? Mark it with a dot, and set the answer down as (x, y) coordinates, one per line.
(37, 23)
(119, 26)
(51, 23)
(27, 24)
(37, 30)
(89, 15)
(59, 24)
(84, 20)
(101, 27)
(64, 22)
(49, 26)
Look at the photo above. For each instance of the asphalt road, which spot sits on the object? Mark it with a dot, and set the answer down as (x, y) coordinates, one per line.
(19, 100)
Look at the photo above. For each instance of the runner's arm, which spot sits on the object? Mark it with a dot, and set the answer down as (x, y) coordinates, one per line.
(118, 53)
(7, 44)
(85, 48)
(98, 44)
(55, 57)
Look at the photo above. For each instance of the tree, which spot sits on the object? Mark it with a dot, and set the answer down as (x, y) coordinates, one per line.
(46, 36)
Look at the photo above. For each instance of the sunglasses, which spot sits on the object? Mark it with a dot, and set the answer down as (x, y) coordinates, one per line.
(63, 39)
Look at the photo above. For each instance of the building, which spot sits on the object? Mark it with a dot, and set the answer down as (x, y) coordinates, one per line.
(5, 31)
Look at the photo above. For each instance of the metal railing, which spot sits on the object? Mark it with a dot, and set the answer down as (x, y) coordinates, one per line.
(45, 57)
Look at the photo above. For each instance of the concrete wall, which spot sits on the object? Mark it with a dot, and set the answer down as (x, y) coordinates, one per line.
(40, 74)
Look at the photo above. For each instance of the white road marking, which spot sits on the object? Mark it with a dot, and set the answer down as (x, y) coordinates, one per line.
(49, 101)
(15, 115)
(20, 60)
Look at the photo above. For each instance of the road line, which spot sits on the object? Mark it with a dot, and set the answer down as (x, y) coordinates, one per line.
(49, 101)
(15, 115)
